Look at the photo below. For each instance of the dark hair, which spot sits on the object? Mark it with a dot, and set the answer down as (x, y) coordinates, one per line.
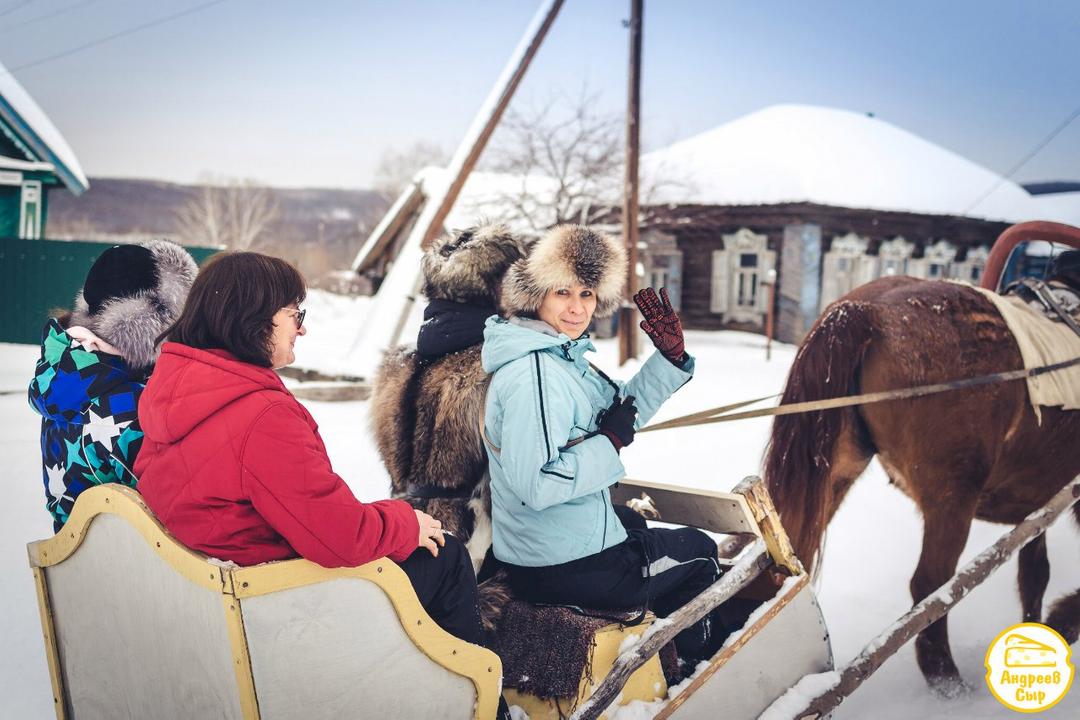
(232, 304)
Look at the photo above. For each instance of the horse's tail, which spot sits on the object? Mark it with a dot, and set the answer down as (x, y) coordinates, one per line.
(802, 449)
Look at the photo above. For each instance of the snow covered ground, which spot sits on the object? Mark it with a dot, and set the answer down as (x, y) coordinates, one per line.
(871, 551)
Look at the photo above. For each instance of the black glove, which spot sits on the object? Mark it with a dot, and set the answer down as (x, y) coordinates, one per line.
(616, 423)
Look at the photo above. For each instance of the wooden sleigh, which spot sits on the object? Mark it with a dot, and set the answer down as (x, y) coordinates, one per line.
(781, 640)
(138, 626)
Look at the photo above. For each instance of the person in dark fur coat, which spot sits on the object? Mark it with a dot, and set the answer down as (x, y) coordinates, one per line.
(428, 400)
(94, 364)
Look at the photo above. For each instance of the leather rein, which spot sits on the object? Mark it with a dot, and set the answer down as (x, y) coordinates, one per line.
(725, 413)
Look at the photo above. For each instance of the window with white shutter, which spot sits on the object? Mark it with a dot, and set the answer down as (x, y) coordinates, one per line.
(718, 297)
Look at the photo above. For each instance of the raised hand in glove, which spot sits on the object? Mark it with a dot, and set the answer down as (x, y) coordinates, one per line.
(662, 325)
(617, 422)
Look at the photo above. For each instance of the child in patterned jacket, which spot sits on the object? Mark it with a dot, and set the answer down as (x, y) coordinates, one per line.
(94, 364)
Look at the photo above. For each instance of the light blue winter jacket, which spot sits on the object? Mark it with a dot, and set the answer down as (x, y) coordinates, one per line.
(550, 504)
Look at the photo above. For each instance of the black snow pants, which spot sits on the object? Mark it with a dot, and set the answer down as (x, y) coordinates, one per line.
(657, 568)
(446, 587)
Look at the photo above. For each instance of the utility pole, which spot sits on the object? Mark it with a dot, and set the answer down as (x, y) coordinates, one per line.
(628, 335)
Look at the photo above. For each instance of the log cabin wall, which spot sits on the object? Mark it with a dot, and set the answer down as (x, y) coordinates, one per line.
(699, 231)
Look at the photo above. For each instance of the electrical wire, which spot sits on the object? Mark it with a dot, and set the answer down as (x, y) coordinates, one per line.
(122, 33)
(47, 16)
(14, 6)
(1024, 160)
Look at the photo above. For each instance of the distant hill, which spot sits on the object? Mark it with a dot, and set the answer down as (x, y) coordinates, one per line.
(126, 208)
(1049, 188)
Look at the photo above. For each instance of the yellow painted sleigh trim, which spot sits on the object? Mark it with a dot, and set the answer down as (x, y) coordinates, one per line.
(481, 666)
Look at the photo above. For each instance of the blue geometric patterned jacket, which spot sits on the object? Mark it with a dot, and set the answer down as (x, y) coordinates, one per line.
(90, 434)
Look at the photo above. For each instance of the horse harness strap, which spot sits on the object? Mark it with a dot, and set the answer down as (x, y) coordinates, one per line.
(711, 416)
(1044, 295)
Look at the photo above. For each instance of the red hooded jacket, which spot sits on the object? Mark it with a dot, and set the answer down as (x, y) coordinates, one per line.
(233, 466)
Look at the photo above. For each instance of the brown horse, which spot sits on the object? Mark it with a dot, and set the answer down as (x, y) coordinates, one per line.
(972, 453)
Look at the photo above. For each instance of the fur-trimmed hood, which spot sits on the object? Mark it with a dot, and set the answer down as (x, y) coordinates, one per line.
(566, 256)
(468, 266)
(132, 324)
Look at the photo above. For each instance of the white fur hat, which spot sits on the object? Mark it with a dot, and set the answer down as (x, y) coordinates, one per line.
(567, 255)
(129, 318)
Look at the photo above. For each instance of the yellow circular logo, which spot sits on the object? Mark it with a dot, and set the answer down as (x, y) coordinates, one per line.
(1029, 667)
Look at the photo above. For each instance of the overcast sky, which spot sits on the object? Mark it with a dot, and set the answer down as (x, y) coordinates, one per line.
(312, 93)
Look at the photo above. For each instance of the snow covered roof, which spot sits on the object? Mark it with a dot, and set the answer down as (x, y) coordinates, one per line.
(1062, 207)
(34, 129)
(489, 196)
(802, 153)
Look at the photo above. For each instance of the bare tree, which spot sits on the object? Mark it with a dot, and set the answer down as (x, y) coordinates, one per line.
(228, 212)
(80, 228)
(567, 156)
(396, 168)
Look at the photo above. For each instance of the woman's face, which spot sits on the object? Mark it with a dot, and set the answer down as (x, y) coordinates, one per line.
(284, 338)
(569, 310)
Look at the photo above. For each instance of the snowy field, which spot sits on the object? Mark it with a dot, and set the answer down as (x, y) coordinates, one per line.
(871, 552)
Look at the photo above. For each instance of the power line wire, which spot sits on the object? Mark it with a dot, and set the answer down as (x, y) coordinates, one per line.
(14, 6)
(47, 16)
(114, 36)
(1024, 160)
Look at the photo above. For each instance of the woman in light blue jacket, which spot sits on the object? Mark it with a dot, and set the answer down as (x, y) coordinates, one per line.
(554, 426)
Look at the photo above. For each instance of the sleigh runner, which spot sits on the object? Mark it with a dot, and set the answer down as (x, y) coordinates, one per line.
(136, 625)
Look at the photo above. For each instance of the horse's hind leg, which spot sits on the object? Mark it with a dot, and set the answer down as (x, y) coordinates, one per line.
(945, 532)
(1064, 615)
(1033, 576)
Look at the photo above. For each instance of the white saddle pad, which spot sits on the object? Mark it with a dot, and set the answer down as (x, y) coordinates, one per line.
(1042, 341)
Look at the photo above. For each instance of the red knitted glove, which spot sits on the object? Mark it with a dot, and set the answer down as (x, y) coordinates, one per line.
(662, 325)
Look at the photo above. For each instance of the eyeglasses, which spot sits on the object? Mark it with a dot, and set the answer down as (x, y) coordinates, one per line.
(297, 316)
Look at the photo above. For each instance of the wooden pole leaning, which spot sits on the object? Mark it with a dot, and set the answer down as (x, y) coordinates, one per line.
(397, 294)
(932, 608)
(487, 119)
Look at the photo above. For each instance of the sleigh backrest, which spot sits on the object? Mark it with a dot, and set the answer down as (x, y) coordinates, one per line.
(136, 625)
(744, 512)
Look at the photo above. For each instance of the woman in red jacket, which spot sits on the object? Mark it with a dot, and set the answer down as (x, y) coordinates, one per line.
(233, 465)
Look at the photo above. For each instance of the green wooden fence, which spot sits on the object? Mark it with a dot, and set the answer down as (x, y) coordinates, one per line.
(37, 276)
